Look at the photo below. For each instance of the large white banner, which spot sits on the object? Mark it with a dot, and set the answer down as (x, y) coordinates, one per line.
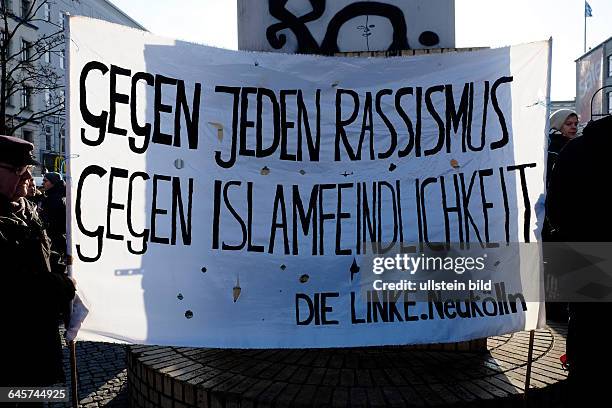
(224, 199)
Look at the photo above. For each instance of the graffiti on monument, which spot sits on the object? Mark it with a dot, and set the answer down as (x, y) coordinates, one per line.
(325, 27)
(307, 43)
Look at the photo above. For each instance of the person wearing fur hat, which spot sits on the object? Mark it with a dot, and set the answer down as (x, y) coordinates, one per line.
(34, 289)
(53, 210)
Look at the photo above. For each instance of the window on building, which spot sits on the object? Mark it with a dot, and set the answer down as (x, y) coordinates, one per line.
(7, 5)
(47, 97)
(26, 8)
(26, 50)
(62, 61)
(28, 135)
(48, 138)
(47, 12)
(62, 141)
(62, 100)
(610, 102)
(62, 19)
(610, 65)
(48, 57)
(5, 43)
(26, 98)
(9, 89)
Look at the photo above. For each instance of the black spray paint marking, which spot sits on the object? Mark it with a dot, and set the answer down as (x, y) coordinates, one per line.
(329, 45)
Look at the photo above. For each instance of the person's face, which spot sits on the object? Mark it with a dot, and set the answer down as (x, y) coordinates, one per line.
(47, 184)
(31, 188)
(570, 127)
(14, 181)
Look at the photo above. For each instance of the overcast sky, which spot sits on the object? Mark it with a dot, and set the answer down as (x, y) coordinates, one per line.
(481, 23)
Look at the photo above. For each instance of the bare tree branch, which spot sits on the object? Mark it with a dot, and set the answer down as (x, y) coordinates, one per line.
(23, 67)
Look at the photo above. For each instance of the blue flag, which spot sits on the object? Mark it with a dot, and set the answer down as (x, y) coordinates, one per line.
(588, 11)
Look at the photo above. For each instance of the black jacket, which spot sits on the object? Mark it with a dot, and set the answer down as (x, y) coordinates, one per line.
(579, 208)
(33, 294)
(556, 142)
(577, 200)
(53, 214)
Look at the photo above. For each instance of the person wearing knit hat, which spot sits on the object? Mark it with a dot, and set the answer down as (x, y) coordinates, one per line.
(563, 127)
(565, 122)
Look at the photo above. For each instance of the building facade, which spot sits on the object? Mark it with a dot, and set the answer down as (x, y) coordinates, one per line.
(49, 133)
(556, 105)
(594, 82)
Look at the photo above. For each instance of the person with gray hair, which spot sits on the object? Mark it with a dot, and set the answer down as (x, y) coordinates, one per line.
(34, 289)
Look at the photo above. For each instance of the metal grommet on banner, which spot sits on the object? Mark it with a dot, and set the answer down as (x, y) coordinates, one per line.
(179, 163)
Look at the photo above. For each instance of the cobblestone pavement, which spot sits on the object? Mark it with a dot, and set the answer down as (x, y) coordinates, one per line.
(102, 375)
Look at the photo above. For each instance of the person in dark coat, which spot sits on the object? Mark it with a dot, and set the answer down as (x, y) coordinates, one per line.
(53, 210)
(563, 126)
(578, 207)
(35, 289)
